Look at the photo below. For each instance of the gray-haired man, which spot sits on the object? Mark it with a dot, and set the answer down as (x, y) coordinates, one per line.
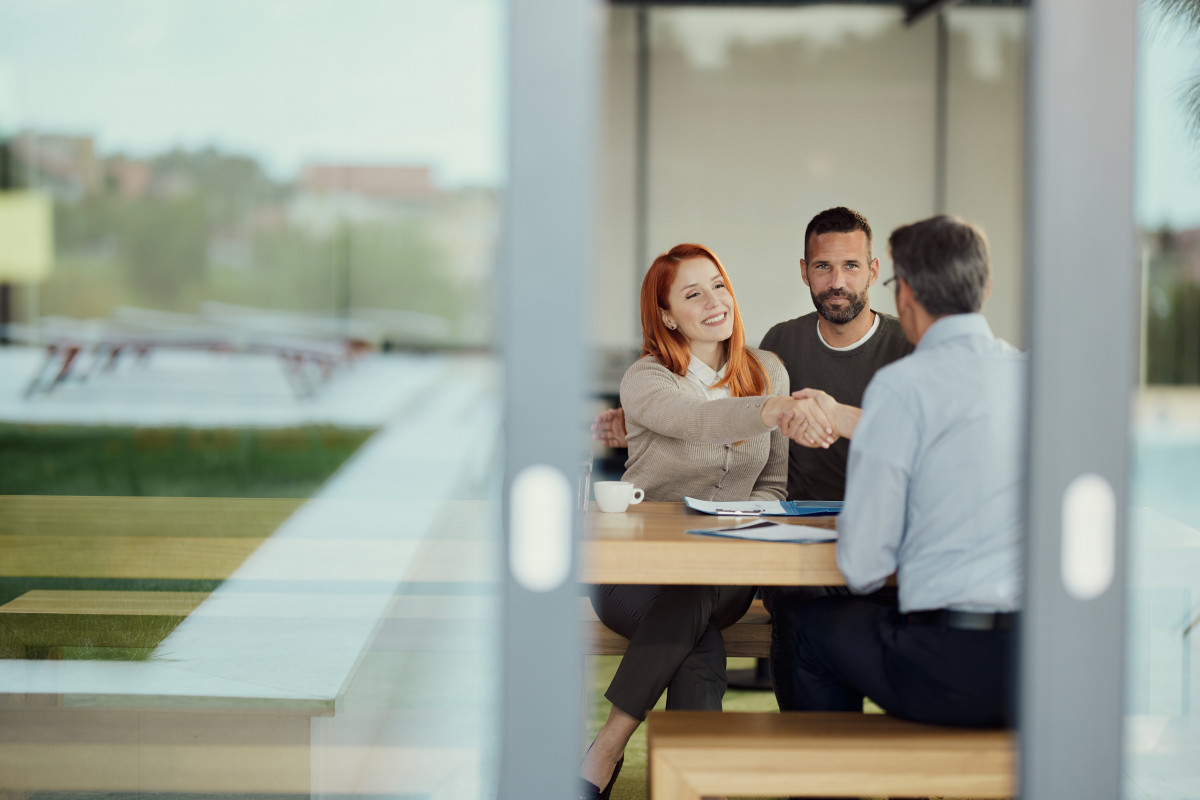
(932, 493)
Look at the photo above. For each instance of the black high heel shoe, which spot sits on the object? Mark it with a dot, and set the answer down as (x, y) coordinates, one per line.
(590, 791)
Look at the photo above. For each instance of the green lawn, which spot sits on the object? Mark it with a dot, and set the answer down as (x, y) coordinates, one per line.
(172, 462)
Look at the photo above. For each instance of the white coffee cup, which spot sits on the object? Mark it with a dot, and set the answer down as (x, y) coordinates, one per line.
(616, 495)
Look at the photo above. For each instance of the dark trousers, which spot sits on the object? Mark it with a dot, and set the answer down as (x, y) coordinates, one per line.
(848, 647)
(675, 643)
(784, 603)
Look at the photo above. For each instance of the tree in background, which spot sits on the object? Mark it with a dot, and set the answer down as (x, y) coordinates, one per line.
(1173, 257)
(400, 266)
(165, 243)
(174, 230)
(1173, 308)
(1185, 14)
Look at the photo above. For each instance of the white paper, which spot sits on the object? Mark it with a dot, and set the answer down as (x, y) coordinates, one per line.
(767, 531)
(742, 508)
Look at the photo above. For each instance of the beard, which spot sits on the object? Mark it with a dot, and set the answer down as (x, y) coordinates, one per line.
(844, 314)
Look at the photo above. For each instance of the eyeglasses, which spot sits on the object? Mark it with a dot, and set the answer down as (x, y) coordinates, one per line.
(890, 280)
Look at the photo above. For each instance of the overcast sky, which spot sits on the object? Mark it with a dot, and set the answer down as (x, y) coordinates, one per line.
(287, 81)
(1168, 153)
(390, 81)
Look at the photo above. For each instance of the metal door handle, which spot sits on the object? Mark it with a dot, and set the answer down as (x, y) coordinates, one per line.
(540, 516)
(1089, 536)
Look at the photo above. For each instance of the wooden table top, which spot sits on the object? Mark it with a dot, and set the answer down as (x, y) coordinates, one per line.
(648, 544)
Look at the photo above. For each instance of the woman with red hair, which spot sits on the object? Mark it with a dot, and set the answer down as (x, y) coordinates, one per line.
(703, 412)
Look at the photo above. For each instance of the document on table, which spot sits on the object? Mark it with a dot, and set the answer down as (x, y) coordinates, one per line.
(766, 531)
(766, 508)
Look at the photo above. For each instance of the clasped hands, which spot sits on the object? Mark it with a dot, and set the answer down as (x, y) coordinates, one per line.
(810, 417)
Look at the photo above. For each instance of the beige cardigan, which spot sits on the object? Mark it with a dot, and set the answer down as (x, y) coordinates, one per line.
(681, 443)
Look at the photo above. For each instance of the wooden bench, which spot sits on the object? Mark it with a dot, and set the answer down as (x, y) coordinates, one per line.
(119, 539)
(823, 754)
(749, 637)
(44, 621)
(41, 622)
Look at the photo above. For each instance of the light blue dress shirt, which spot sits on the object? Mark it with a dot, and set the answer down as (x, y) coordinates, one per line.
(933, 485)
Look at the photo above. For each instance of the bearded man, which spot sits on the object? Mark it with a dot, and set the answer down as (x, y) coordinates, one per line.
(838, 347)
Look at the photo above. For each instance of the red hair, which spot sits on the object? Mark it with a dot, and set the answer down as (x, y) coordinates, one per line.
(744, 375)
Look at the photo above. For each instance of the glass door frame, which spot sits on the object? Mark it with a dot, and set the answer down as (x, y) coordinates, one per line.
(552, 101)
(1083, 370)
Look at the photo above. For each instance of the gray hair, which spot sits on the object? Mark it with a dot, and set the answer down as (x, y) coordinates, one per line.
(945, 260)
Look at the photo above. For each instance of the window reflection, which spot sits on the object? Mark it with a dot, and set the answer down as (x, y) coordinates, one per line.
(1164, 595)
(384, 251)
(247, 540)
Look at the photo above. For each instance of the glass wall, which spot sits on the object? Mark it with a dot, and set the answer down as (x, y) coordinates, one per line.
(985, 147)
(249, 422)
(1163, 683)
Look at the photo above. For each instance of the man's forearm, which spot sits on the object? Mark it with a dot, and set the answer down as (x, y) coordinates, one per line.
(846, 420)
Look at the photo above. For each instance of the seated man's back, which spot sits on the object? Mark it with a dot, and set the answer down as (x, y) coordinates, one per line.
(933, 495)
(943, 427)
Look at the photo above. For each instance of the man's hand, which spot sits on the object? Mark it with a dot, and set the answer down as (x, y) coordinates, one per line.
(609, 428)
(800, 419)
(843, 417)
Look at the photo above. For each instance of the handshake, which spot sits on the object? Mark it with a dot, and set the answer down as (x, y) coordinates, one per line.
(809, 417)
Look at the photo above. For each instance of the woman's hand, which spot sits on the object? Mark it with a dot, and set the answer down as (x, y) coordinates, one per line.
(801, 419)
(844, 418)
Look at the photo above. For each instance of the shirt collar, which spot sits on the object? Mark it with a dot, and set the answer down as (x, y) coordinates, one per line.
(953, 326)
(704, 373)
(859, 343)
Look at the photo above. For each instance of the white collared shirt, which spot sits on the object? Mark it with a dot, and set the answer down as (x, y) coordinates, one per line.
(705, 376)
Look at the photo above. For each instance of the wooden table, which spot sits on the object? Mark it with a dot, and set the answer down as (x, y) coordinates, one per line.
(648, 544)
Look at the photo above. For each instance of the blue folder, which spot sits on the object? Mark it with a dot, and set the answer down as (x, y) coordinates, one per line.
(767, 508)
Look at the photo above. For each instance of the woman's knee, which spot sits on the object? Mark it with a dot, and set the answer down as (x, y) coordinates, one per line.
(696, 603)
(622, 607)
(732, 602)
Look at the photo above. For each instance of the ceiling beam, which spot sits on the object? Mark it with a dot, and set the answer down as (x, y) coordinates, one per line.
(912, 7)
(915, 12)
